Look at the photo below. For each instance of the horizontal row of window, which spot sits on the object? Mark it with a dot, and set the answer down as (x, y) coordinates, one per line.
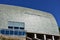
(11, 32)
(18, 24)
(11, 27)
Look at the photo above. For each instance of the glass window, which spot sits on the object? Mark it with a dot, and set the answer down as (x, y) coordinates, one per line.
(16, 27)
(2, 31)
(22, 33)
(11, 32)
(15, 32)
(7, 32)
(22, 28)
(10, 27)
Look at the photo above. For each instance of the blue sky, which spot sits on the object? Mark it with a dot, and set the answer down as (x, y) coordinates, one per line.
(51, 6)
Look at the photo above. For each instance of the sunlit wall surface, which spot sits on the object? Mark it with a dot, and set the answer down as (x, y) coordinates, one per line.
(35, 21)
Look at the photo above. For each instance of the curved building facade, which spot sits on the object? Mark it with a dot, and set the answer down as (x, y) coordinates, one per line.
(22, 22)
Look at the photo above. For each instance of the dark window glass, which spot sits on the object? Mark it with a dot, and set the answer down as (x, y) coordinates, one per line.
(0, 31)
(16, 27)
(22, 33)
(3, 31)
(11, 32)
(22, 28)
(7, 32)
(10, 27)
(15, 32)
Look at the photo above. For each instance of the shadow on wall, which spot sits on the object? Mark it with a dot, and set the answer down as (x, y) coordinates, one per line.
(59, 29)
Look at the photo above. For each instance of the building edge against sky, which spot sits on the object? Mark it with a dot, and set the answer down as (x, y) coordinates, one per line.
(29, 17)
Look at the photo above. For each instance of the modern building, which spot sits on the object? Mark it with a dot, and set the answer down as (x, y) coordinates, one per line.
(20, 22)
